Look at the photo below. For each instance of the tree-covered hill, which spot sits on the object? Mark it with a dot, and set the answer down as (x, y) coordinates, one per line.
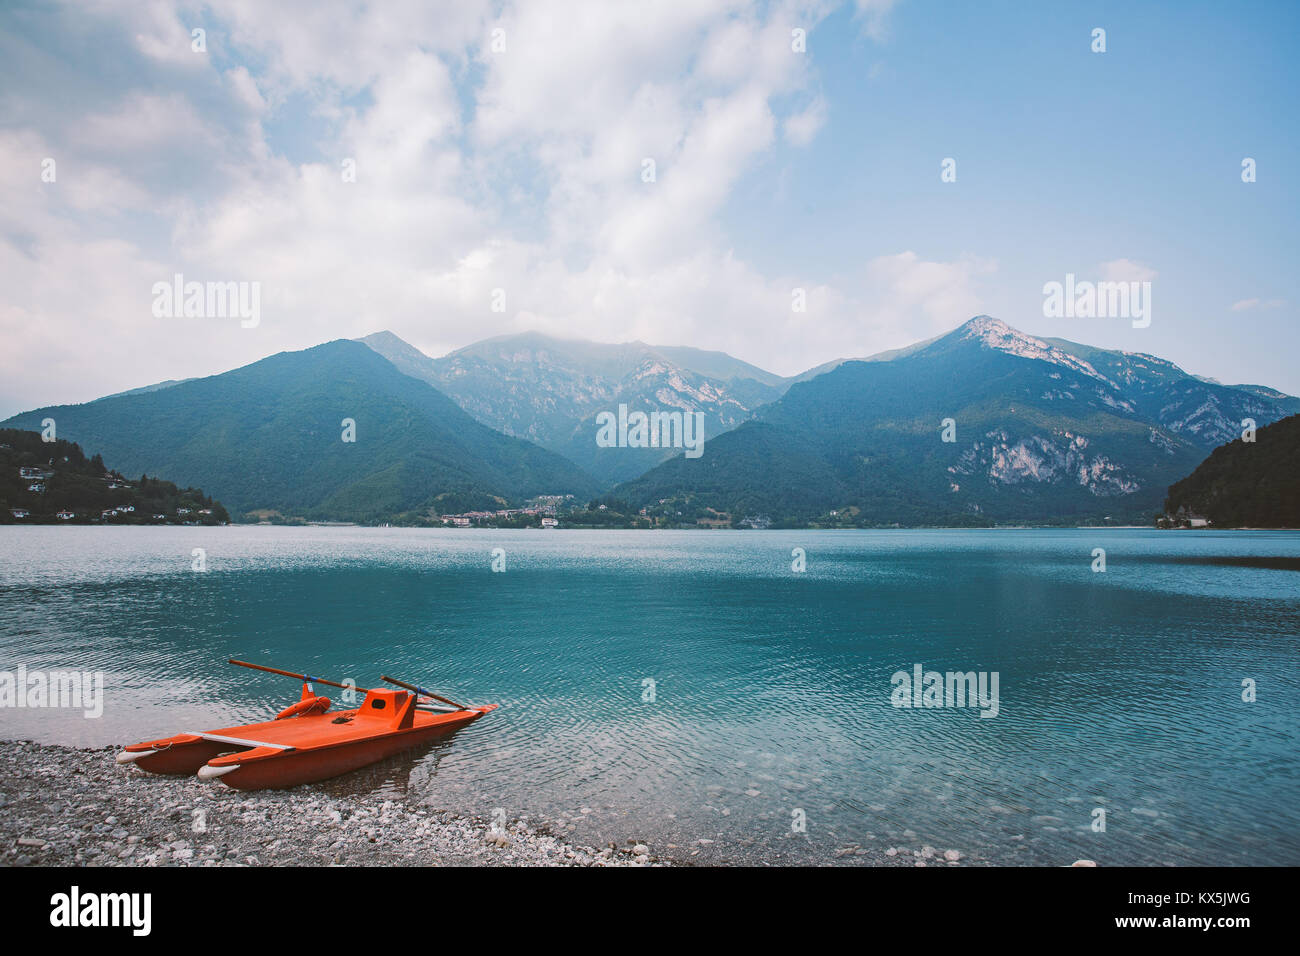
(47, 482)
(1247, 484)
(271, 437)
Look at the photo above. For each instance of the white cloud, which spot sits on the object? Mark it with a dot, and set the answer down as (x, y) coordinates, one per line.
(245, 88)
(475, 170)
(913, 298)
(1126, 270)
(146, 121)
(874, 16)
(343, 47)
(159, 31)
(1245, 305)
(800, 128)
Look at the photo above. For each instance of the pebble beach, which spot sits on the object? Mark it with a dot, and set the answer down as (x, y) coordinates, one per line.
(65, 806)
(61, 806)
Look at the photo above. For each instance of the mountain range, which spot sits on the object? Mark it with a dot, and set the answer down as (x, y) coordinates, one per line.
(271, 437)
(550, 390)
(1041, 430)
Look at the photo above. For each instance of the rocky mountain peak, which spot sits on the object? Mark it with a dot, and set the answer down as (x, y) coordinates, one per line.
(995, 334)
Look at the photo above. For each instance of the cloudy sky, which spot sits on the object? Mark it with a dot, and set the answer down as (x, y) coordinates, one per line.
(505, 146)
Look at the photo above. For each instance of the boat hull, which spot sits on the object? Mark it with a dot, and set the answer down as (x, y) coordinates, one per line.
(182, 758)
(305, 748)
(295, 767)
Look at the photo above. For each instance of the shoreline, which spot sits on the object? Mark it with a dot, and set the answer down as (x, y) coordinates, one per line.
(71, 806)
(65, 806)
(413, 527)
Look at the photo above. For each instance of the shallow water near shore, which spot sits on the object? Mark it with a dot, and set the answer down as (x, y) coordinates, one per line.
(679, 687)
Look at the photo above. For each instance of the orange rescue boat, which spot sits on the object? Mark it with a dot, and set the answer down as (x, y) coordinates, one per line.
(307, 741)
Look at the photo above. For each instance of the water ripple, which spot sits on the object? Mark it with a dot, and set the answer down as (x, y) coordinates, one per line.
(677, 687)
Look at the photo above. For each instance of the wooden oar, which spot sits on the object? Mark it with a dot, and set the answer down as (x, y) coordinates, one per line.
(301, 677)
(422, 691)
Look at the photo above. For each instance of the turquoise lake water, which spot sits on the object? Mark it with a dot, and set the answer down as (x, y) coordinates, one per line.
(771, 688)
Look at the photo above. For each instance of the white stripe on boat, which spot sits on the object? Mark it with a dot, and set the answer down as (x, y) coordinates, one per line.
(240, 741)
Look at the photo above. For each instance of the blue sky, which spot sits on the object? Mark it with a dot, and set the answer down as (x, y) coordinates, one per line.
(520, 169)
(1066, 158)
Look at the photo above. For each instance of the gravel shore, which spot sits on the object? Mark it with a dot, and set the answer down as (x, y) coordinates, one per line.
(69, 806)
(64, 806)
